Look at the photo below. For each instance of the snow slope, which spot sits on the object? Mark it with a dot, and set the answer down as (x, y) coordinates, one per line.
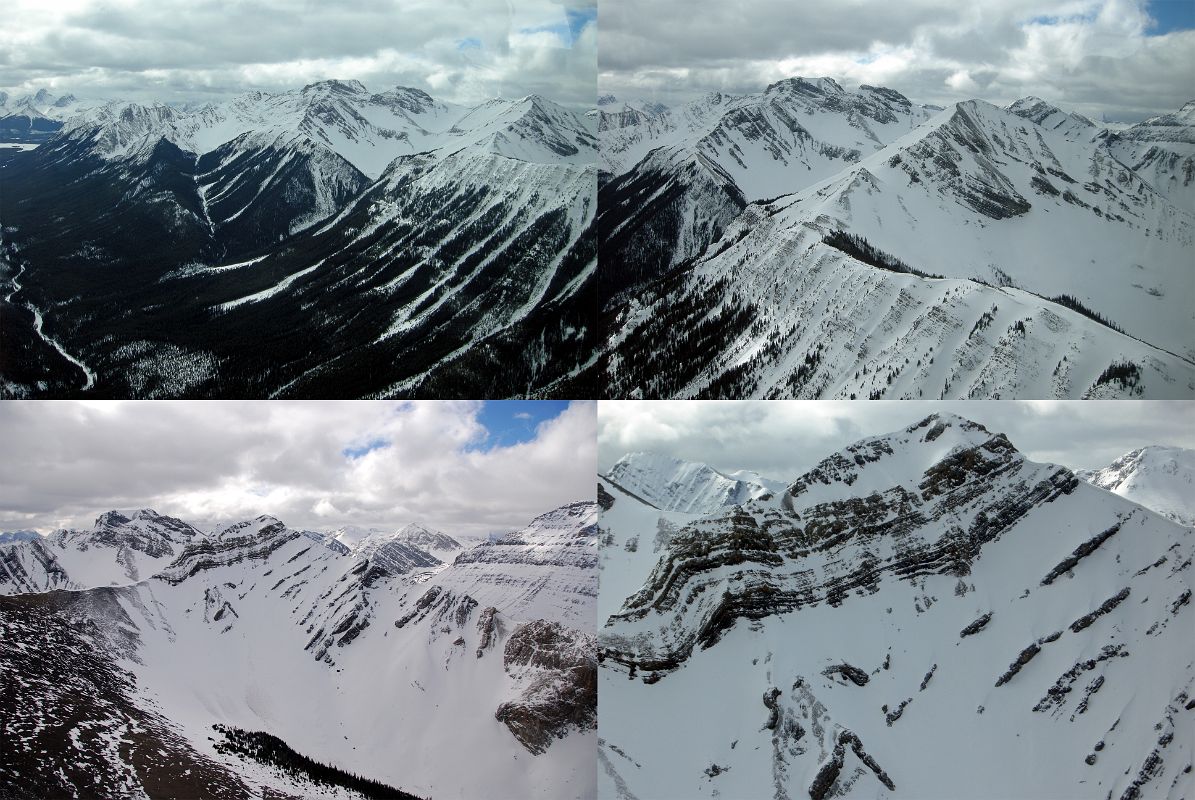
(1160, 478)
(834, 640)
(994, 257)
(445, 680)
(676, 177)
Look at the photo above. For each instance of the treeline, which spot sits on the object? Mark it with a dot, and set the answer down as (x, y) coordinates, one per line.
(272, 751)
(859, 248)
(1074, 305)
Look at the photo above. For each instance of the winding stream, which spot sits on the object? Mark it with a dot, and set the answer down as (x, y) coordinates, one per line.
(89, 376)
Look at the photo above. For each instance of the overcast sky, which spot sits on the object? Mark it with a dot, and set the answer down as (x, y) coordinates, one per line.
(463, 51)
(783, 439)
(1131, 58)
(462, 467)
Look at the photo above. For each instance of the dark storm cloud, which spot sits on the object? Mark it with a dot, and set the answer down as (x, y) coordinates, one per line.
(196, 50)
(782, 439)
(1092, 56)
(310, 464)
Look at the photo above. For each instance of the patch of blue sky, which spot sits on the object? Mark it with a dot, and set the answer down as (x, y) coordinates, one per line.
(1171, 15)
(469, 43)
(1167, 16)
(1046, 19)
(568, 29)
(511, 422)
(353, 453)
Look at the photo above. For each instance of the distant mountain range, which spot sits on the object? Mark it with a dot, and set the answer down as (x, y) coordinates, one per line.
(261, 660)
(812, 241)
(326, 241)
(35, 117)
(925, 613)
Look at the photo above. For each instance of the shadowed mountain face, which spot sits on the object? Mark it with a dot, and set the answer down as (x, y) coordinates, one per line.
(910, 586)
(374, 662)
(323, 242)
(813, 242)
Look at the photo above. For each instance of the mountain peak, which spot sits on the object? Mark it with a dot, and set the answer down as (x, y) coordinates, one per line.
(338, 86)
(918, 450)
(815, 86)
(572, 520)
(426, 538)
(1047, 114)
(251, 527)
(1161, 478)
(406, 98)
(949, 419)
(110, 518)
(673, 484)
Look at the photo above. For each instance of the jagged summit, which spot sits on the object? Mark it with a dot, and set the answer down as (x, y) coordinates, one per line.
(814, 86)
(336, 86)
(877, 462)
(673, 484)
(264, 523)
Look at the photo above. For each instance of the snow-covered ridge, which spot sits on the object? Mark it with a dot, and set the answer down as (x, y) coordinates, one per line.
(912, 585)
(367, 130)
(341, 653)
(120, 548)
(1158, 477)
(442, 236)
(977, 252)
(672, 484)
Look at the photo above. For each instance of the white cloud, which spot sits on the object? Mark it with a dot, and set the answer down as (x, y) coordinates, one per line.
(1091, 56)
(200, 49)
(316, 465)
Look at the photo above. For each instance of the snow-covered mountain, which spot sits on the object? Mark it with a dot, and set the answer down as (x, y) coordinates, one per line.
(34, 117)
(429, 539)
(443, 680)
(118, 549)
(416, 243)
(679, 176)
(1162, 151)
(979, 252)
(425, 538)
(672, 484)
(833, 640)
(1160, 478)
